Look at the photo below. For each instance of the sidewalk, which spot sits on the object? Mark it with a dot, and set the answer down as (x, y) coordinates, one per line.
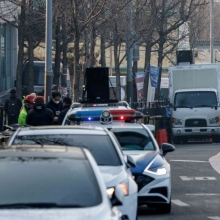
(215, 162)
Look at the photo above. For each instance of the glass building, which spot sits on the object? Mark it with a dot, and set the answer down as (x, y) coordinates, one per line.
(8, 56)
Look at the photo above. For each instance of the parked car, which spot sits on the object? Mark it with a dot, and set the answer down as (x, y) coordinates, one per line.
(51, 182)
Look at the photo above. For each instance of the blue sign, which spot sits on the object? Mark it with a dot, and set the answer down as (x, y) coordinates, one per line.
(154, 75)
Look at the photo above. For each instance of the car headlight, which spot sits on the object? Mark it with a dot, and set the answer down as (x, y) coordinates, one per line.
(110, 191)
(124, 185)
(214, 120)
(177, 121)
(159, 170)
(157, 166)
(125, 188)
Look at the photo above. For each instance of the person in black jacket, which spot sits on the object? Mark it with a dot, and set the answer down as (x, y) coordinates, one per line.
(66, 106)
(12, 107)
(39, 115)
(55, 104)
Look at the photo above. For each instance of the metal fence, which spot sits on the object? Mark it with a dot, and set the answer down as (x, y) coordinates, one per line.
(152, 108)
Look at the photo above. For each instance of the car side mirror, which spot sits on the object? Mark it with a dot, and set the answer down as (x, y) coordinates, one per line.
(167, 148)
(130, 162)
(15, 83)
(117, 196)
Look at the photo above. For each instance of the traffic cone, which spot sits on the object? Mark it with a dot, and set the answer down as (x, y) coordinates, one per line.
(161, 136)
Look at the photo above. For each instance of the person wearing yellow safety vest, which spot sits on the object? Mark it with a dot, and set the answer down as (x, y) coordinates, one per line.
(28, 104)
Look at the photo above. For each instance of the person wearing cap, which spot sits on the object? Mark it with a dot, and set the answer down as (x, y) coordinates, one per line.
(28, 105)
(12, 107)
(40, 115)
(66, 106)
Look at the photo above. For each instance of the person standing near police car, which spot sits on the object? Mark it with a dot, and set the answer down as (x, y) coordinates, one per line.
(55, 104)
(28, 105)
(12, 107)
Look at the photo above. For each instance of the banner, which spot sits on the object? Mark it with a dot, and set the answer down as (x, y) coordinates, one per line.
(140, 85)
(154, 74)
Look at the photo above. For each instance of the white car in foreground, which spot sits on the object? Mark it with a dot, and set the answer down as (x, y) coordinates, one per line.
(51, 183)
(114, 166)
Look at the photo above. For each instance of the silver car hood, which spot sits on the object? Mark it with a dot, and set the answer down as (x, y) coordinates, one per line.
(99, 212)
(136, 154)
(113, 175)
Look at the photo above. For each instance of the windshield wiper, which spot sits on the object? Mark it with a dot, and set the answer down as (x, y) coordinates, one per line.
(204, 106)
(42, 142)
(38, 205)
(183, 106)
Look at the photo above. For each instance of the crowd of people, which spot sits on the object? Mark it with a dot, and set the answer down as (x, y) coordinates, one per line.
(34, 111)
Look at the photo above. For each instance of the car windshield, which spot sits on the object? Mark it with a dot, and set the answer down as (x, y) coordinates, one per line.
(47, 182)
(131, 140)
(100, 146)
(195, 99)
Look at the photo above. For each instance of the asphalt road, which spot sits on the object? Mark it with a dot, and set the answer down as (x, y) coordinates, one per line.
(195, 184)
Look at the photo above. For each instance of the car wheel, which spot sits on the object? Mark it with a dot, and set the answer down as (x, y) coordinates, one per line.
(164, 208)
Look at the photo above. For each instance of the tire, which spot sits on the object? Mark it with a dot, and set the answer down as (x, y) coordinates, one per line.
(216, 139)
(176, 140)
(164, 208)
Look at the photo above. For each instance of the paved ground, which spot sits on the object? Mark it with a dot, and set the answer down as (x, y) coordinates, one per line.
(195, 183)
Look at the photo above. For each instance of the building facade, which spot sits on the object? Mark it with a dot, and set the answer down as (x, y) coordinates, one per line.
(8, 48)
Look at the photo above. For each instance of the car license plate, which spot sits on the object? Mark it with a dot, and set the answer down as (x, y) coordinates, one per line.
(196, 130)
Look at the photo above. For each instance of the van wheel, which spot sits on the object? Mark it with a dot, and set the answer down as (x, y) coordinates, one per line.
(176, 140)
(216, 139)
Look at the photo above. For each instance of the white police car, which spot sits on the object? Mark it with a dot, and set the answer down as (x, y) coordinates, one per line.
(152, 172)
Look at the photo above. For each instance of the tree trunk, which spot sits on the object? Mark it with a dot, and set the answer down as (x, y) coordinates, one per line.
(31, 60)
(21, 33)
(86, 46)
(58, 54)
(117, 63)
(135, 69)
(76, 80)
(160, 61)
(147, 68)
(65, 58)
(92, 46)
(102, 50)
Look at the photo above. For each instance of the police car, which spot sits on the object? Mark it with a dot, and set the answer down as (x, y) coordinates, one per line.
(152, 172)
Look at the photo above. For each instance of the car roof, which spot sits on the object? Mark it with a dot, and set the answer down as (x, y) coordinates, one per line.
(39, 130)
(43, 151)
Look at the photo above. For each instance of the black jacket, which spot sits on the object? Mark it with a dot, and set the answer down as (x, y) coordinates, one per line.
(40, 115)
(63, 114)
(56, 108)
(18, 107)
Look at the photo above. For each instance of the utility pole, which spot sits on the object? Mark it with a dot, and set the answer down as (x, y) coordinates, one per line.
(48, 57)
(211, 31)
(129, 54)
